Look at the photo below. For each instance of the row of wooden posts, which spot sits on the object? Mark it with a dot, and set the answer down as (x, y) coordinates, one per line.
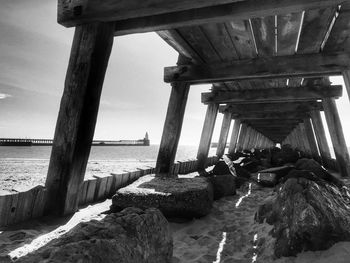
(26, 205)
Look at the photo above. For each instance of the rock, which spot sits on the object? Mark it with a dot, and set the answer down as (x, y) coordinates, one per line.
(223, 185)
(133, 235)
(251, 165)
(279, 171)
(313, 166)
(284, 155)
(307, 215)
(174, 197)
(265, 179)
(221, 168)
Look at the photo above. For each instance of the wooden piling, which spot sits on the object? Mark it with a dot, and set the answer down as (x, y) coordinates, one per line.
(241, 137)
(234, 136)
(76, 122)
(225, 128)
(337, 136)
(207, 133)
(311, 139)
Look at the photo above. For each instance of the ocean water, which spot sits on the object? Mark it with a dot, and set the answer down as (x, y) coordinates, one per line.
(24, 167)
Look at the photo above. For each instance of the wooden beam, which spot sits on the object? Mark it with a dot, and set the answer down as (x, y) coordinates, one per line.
(273, 94)
(172, 129)
(270, 115)
(241, 137)
(337, 136)
(321, 137)
(312, 140)
(234, 137)
(77, 116)
(207, 133)
(272, 107)
(319, 64)
(346, 77)
(135, 17)
(225, 128)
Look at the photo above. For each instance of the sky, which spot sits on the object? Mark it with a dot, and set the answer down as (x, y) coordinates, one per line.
(34, 53)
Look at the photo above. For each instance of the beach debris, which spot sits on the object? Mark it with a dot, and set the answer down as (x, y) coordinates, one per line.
(133, 235)
(174, 197)
(308, 213)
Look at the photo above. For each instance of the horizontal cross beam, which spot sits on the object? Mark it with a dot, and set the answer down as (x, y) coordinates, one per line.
(134, 16)
(270, 115)
(274, 94)
(272, 107)
(320, 64)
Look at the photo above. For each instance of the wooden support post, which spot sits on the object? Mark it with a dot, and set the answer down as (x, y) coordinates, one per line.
(234, 137)
(311, 139)
(346, 77)
(321, 137)
(172, 129)
(225, 128)
(305, 139)
(247, 138)
(242, 135)
(337, 136)
(207, 133)
(76, 121)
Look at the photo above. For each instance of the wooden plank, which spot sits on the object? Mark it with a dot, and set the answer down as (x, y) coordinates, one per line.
(82, 193)
(76, 122)
(338, 39)
(11, 217)
(5, 209)
(337, 136)
(206, 136)
(321, 136)
(287, 33)
(272, 107)
(268, 67)
(287, 94)
(314, 29)
(264, 33)
(241, 37)
(172, 128)
(90, 194)
(234, 137)
(346, 77)
(217, 13)
(225, 128)
(39, 203)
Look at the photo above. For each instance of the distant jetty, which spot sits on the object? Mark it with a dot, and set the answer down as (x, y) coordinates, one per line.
(48, 142)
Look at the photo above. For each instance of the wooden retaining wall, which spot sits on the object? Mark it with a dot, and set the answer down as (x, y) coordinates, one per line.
(22, 206)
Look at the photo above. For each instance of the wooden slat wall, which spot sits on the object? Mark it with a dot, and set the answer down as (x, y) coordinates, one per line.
(23, 206)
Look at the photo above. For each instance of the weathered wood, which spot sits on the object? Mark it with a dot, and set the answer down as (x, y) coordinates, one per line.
(75, 126)
(234, 136)
(337, 136)
(273, 94)
(346, 77)
(304, 138)
(321, 137)
(241, 137)
(225, 128)
(264, 33)
(311, 139)
(270, 115)
(272, 107)
(172, 129)
(268, 67)
(207, 133)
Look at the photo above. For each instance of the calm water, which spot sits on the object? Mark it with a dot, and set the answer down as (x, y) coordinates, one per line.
(115, 153)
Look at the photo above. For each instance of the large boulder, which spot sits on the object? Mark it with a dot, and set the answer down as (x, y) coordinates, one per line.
(221, 168)
(279, 171)
(313, 166)
(133, 235)
(308, 213)
(265, 179)
(223, 185)
(175, 197)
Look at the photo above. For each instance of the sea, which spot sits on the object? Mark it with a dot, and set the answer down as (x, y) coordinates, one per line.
(23, 167)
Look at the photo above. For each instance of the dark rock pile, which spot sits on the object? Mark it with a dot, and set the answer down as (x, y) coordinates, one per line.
(133, 235)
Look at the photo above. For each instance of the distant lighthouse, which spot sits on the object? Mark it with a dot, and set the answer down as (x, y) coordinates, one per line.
(146, 140)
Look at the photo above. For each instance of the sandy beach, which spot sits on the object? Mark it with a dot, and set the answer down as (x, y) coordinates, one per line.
(228, 234)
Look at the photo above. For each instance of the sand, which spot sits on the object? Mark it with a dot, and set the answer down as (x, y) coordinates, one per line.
(228, 234)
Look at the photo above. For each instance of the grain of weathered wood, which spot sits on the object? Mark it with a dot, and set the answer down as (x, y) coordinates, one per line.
(287, 33)
(90, 193)
(234, 136)
(5, 209)
(264, 33)
(206, 136)
(346, 77)
(172, 128)
(225, 128)
(337, 136)
(241, 137)
(321, 136)
(39, 203)
(11, 217)
(273, 94)
(267, 67)
(314, 29)
(75, 126)
(311, 139)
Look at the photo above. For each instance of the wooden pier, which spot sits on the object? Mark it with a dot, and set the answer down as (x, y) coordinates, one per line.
(268, 61)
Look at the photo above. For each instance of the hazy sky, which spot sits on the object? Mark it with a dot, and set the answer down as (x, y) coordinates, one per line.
(34, 53)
